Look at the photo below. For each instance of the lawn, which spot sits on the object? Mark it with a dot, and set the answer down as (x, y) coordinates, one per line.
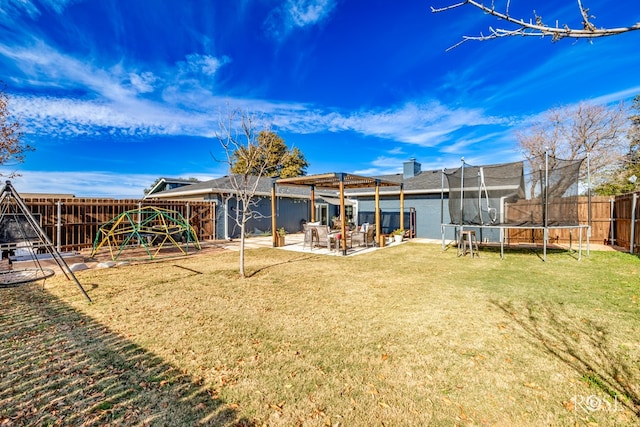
(409, 335)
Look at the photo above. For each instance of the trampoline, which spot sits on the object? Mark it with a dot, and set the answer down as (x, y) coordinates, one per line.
(495, 199)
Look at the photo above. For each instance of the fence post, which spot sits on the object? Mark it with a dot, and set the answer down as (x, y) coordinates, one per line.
(633, 223)
(58, 224)
(612, 223)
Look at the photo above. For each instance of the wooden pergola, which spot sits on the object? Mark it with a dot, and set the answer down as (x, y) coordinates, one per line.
(340, 182)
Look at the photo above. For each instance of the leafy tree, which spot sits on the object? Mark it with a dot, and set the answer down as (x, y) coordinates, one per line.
(626, 179)
(12, 149)
(535, 26)
(270, 157)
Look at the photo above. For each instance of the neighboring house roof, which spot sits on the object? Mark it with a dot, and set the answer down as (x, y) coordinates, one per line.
(165, 184)
(225, 185)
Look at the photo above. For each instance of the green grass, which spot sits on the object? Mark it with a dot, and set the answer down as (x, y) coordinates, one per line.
(408, 335)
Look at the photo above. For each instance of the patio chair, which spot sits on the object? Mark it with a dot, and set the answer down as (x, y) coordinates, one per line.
(364, 238)
(310, 235)
(324, 237)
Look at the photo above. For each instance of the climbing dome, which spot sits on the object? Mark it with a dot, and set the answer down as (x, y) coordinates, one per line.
(150, 228)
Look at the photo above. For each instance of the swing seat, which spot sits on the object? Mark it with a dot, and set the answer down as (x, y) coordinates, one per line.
(11, 278)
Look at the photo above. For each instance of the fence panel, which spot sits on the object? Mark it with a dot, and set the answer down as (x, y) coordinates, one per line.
(72, 224)
(600, 224)
(627, 215)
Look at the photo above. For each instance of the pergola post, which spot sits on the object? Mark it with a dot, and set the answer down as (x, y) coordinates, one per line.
(377, 203)
(273, 214)
(402, 206)
(343, 218)
(313, 203)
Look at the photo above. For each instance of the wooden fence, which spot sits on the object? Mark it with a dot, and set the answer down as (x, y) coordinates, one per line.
(72, 224)
(600, 224)
(614, 220)
(626, 230)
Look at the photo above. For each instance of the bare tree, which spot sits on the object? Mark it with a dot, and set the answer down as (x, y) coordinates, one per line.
(12, 149)
(238, 135)
(535, 26)
(571, 133)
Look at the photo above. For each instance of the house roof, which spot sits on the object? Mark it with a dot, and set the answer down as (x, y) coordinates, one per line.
(424, 182)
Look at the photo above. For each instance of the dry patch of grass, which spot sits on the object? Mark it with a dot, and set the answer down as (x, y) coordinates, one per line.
(408, 335)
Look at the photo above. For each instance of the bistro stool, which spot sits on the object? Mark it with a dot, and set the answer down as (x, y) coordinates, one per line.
(468, 242)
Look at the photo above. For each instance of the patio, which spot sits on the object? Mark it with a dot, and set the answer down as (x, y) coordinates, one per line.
(338, 182)
(294, 243)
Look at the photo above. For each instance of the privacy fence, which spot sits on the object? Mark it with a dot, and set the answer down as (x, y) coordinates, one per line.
(625, 231)
(614, 221)
(72, 224)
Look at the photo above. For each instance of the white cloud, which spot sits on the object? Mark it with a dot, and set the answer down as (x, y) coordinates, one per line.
(426, 124)
(297, 14)
(86, 184)
(301, 13)
(61, 117)
(9, 7)
(143, 82)
(202, 64)
(189, 106)
(82, 184)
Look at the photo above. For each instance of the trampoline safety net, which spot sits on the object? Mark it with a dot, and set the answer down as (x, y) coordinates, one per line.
(509, 194)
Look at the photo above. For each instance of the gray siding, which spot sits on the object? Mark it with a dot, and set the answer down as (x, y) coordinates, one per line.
(427, 213)
(290, 215)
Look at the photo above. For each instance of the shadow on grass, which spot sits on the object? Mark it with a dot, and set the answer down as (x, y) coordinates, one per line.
(60, 367)
(537, 251)
(289, 261)
(582, 345)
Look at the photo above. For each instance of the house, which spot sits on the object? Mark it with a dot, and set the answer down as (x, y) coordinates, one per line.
(426, 202)
(292, 205)
(429, 203)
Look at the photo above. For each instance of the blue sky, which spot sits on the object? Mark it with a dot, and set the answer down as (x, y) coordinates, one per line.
(114, 94)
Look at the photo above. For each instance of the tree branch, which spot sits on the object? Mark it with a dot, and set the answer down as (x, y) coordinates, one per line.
(536, 27)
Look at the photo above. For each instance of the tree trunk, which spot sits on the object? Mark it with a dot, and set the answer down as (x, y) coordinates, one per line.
(242, 237)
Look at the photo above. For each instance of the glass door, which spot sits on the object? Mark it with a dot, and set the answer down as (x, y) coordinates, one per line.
(322, 213)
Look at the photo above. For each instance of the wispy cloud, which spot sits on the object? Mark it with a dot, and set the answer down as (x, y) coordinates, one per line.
(96, 184)
(425, 124)
(300, 13)
(88, 183)
(296, 14)
(137, 102)
(13, 7)
(205, 65)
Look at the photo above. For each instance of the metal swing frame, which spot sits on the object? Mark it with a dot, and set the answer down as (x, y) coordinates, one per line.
(12, 205)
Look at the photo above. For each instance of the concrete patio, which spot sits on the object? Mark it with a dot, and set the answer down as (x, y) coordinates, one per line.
(294, 242)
